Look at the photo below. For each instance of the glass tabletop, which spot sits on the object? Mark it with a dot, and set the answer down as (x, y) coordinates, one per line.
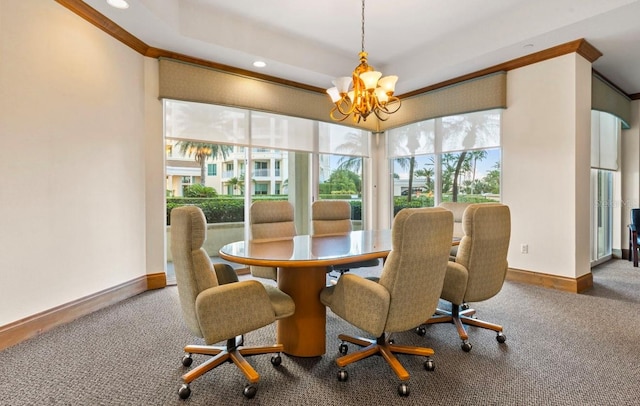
(311, 250)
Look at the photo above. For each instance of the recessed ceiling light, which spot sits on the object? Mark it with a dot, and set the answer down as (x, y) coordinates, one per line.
(118, 3)
(527, 46)
(259, 64)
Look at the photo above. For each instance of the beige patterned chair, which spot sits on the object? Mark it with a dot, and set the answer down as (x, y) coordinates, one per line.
(479, 270)
(216, 307)
(405, 295)
(270, 219)
(457, 208)
(331, 217)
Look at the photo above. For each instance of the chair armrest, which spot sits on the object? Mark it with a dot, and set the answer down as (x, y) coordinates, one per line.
(225, 274)
(233, 309)
(455, 283)
(632, 227)
(360, 301)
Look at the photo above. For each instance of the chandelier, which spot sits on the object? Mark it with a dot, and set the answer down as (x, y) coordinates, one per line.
(369, 94)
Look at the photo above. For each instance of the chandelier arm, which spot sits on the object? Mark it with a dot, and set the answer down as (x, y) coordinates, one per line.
(379, 113)
(334, 110)
(344, 107)
(393, 102)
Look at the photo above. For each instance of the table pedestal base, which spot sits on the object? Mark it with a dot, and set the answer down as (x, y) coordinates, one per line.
(304, 333)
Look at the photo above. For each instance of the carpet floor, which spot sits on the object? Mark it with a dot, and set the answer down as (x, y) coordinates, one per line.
(561, 349)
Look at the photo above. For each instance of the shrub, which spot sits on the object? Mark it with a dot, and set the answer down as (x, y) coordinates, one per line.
(216, 210)
(199, 190)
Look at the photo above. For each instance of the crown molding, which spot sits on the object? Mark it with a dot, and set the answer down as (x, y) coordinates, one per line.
(91, 15)
(82, 9)
(580, 46)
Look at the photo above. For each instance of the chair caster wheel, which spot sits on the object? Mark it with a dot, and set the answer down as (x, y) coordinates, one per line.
(466, 346)
(429, 365)
(343, 376)
(184, 392)
(403, 389)
(250, 391)
(421, 331)
(187, 360)
(276, 360)
(343, 349)
(501, 338)
(465, 306)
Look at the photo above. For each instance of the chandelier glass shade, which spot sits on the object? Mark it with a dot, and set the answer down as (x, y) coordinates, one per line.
(365, 92)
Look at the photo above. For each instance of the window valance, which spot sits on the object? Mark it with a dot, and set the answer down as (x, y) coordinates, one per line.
(189, 82)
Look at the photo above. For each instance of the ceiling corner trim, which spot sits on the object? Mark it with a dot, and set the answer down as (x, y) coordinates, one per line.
(91, 15)
(588, 51)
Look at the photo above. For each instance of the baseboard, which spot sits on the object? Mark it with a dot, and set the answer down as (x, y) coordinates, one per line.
(573, 285)
(156, 280)
(18, 331)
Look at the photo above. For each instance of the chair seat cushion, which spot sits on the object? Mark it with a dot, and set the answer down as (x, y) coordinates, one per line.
(282, 303)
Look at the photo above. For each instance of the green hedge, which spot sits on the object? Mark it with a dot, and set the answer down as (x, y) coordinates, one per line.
(231, 209)
(217, 209)
(400, 202)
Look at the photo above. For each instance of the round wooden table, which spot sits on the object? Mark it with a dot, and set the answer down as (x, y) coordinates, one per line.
(302, 263)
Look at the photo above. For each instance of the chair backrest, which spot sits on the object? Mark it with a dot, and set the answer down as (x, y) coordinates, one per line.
(635, 217)
(272, 219)
(331, 217)
(414, 271)
(457, 208)
(483, 249)
(193, 267)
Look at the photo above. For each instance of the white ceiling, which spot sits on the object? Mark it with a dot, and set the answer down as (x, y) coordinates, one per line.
(424, 42)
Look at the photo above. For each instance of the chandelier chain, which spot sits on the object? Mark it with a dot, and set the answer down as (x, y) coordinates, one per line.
(362, 25)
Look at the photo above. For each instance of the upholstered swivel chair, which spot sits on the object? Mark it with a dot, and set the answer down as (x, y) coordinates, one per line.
(457, 208)
(331, 217)
(216, 307)
(634, 241)
(404, 296)
(270, 219)
(479, 270)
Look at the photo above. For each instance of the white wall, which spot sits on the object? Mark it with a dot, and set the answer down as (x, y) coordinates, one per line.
(72, 159)
(545, 175)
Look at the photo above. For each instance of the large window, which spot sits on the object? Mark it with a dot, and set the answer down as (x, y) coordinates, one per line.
(260, 155)
(455, 158)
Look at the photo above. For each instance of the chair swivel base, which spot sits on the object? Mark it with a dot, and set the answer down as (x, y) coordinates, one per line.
(233, 352)
(385, 347)
(461, 317)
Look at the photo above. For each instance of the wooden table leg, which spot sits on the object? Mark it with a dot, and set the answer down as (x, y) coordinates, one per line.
(304, 333)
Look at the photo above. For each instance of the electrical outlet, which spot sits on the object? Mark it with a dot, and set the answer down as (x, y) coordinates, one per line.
(524, 248)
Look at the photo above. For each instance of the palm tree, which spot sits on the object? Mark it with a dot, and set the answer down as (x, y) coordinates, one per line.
(202, 122)
(428, 174)
(476, 156)
(352, 146)
(235, 182)
(472, 127)
(456, 174)
(411, 163)
(201, 151)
